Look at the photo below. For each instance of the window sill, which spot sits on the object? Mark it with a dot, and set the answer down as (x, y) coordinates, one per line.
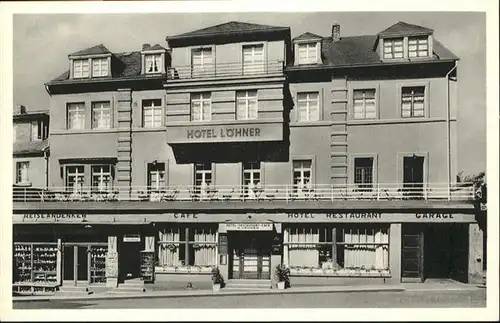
(194, 270)
(316, 123)
(339, 273)
(82, 131)
(27, 184)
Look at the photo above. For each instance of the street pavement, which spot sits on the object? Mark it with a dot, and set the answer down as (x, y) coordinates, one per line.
(408, 299)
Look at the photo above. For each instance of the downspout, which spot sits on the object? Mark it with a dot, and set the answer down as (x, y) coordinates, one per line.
(448, 129)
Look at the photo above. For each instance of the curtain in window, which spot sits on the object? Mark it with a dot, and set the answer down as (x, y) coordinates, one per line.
(358, 255)
(168, 254)
(204, 254)
(301, 254)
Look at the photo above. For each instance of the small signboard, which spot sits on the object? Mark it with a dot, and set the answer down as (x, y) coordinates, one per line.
(249, 226)
(132, 238)
(223, 248)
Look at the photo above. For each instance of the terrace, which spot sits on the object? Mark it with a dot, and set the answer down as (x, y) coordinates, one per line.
(237, 69)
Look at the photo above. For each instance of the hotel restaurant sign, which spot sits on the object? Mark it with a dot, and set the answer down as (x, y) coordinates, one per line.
(225, 133)
(333, 217)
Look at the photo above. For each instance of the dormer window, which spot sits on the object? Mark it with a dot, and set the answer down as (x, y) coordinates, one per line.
(308, 53)
(418, 46)
(80, 68)
(100, 67)
(153, 63)
(393, 48)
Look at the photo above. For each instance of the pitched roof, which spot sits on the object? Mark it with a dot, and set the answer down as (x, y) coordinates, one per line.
(358, 51)
(125, 65)
(307, 35)
(30, 147)
(94, 50)
(232, 27)
(402, 29)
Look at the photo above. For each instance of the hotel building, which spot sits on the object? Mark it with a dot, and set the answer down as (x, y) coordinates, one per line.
(241, 147)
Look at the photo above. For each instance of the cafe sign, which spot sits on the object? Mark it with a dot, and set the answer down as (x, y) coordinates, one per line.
(225, 133)
(249, 226)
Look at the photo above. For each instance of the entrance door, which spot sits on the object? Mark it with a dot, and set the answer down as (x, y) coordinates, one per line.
(250, 255)
(413, 176)
(412, 261)
(130, 259)
(75, 264)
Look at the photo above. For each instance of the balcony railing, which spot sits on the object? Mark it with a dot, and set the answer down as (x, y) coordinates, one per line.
(222, 193)
(225, 69)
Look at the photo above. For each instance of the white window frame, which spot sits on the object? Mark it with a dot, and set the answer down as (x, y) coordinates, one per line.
(73, 171)
(155, 172)
(308, 46)
(421, 41)
(244, 100)
(78, 68)
(412, 107)
(203, 67)
(153, 62)
(392, 53)
(36, 130)
(103, 171)
(98, 111)
(257, 58)
(199, 99)
(100, 67)
(302, 184)
(22, 172)
(154, 112)
(308, 105)
(364, 105)
(75, 116)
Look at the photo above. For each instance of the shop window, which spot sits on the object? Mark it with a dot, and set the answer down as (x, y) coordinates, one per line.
(308, 106)
(363, 173)
(101, 115)
(302, 176)
(22, 172)
(187, 246)
(251, 179)
(364, 104)
(412, 101)
(75, 177)
(102, 179)
(355, 247)
(201, 107)
(156, 176)
(152, 113)
(246, 105)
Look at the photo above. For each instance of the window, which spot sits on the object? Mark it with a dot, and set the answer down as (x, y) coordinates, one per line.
(156, 176)
(101, 178)
(418, 46)
(251, 178)
(302, 176)
(202, 179)
(202, 62)
(153, 63)
(76, 116)
(36, 130)
(412, 101)
(99, 67)
(75, 177)
(363, 173)
(101, 115)
(22, 169)
(201, 107)
(308, 53)
(80, 68)
(246, 105)
(361, 246)
(308, 105)
(151, 113)
(393, 48)
(253, 59)
(199, 242)
(364, 104)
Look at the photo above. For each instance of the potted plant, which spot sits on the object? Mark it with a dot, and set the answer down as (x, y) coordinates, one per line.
(217, 279)
(282, 274)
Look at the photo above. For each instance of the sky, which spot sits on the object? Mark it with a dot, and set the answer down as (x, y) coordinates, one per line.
(42, 43)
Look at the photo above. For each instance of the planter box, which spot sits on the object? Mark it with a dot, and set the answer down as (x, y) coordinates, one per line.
(183, 270)
(280, 285)
(339, 273)
(216, 287)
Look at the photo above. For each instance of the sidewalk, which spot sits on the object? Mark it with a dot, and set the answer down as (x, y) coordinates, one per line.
(293, 290)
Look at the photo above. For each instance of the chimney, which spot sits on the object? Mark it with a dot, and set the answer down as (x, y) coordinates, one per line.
(20, 109)
(336, 32)
(145, 46)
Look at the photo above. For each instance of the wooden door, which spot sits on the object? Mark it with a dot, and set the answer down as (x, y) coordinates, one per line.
(412, 254)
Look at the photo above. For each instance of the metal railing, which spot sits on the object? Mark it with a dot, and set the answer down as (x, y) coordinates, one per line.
(225, 69)
(287, 193)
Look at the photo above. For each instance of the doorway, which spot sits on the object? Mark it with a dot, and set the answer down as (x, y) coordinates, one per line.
(129, 259)
(413, 176)
(249, 255)
(75, 264)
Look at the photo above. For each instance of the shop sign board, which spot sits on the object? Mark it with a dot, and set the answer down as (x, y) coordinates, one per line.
(64, 217)
(223, 244)
(249, 226)
(132, 238)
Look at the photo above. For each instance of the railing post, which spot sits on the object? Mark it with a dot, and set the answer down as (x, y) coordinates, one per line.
(378, 191)
(449, 191)
(425, 191)
(331, 191)
(286, 193)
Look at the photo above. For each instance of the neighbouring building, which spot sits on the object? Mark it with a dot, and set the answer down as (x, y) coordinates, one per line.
(241, 147)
